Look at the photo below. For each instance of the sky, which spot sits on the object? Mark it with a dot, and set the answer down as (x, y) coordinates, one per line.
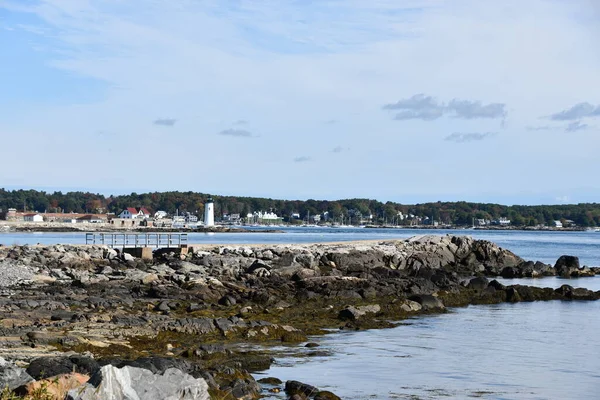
(408, 101)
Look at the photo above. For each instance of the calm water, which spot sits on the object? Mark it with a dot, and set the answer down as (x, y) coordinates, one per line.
(540, 246)
(544, 350)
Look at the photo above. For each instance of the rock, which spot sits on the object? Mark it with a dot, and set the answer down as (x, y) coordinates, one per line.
(127, 257)
(56, 387)
(295, 387)
(47, 367)
(111, 383)
(512, 295)
(270, 381)
(479, 283)
(163, 306)
(227, 301)
(496, 285)
(411, 306)
(12, 376)
(353, 313)
(428, 302)
(566, 266)
(325, 395)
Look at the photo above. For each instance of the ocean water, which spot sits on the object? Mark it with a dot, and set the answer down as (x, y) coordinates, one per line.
(541, 350)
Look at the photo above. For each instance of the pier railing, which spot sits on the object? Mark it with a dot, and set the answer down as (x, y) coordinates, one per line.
(135, 240)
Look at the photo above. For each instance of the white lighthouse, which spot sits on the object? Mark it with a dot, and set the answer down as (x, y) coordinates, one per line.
(209, 213)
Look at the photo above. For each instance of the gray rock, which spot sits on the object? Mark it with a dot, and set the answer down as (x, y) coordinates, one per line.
(12, 376)
(428, 302)
(130, 383)
(353, 313)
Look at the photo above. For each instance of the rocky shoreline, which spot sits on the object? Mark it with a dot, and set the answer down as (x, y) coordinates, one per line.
(93, 316)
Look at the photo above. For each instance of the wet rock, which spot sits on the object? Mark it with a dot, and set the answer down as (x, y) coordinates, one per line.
(137, 383)
(295, 387)
(353, 313)
(12, 376)
(270, 381)
(428, 302)
(411, 306)
(325, 395)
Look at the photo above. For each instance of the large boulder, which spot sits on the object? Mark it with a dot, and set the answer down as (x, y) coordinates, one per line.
(130, 383)
(47, 367)
(428, 302)
(566, 266)
(12, 376)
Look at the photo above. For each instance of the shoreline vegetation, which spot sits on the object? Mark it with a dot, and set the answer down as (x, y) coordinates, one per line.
(346, 211)
(74, 317)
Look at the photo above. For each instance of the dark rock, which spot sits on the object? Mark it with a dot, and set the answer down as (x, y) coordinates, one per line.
(497, 285)
(312, 345)
(512, 295)
(270, 381)
(47, 367)
(479, 283)
(227, 300)
(295, 387)
(428, 302)
(325, 395)
(566, 265)
(510, 272)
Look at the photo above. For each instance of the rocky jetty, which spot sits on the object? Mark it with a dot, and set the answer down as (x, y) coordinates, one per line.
(116, 320)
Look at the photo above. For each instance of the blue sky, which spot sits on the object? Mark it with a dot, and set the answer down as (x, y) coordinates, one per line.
(412, 101)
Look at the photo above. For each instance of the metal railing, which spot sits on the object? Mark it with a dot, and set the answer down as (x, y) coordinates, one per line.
(128, 240)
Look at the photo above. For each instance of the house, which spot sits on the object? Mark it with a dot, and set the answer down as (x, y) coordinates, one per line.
(133, 213)
(90, 219)
(558, 224)
(33, 218)
(501, 221)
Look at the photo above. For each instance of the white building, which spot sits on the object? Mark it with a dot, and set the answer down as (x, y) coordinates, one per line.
(132, 213)
(209, 213)
(33, 218)
(160, 214)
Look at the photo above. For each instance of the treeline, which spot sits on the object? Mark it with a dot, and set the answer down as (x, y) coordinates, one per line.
(348, 211)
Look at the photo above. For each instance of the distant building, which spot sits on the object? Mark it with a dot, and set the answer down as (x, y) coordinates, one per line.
(558, 224)
(501, 221)
(133, 213)
(160, 214)
(33, 218)
(90, 219)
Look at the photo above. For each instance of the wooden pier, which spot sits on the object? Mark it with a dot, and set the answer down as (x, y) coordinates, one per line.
(138, 240)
